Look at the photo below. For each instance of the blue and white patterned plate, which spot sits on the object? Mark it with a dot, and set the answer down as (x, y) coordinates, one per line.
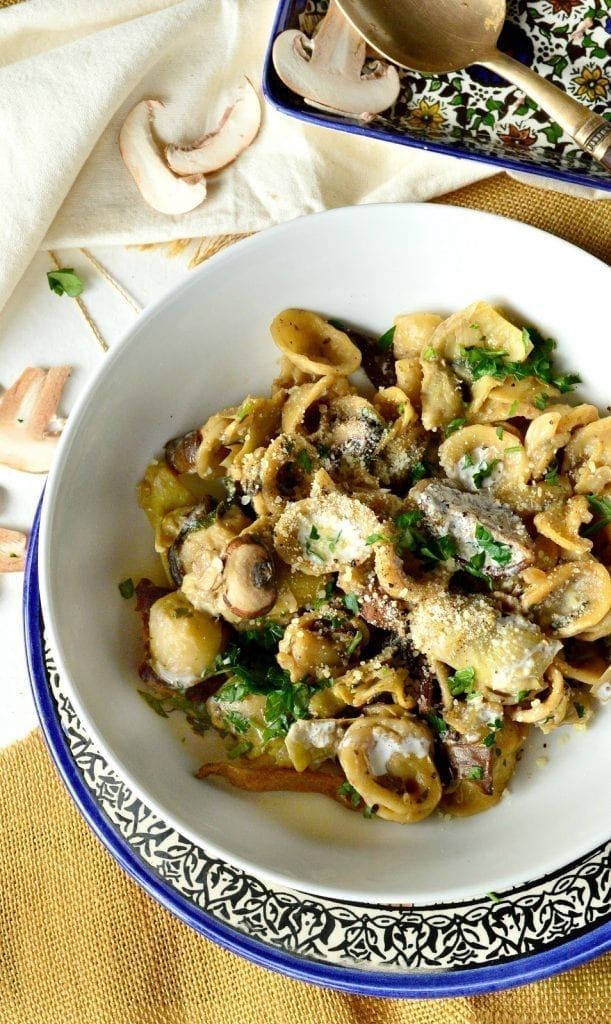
(473, 113)
(466, 948)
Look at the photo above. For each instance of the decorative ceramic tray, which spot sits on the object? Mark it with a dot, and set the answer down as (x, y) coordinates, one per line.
(474, 113)
(476, 946)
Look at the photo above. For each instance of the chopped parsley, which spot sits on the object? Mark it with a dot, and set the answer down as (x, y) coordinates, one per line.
(483, 362)
(499, 432)
(522, 695)
(490, 737)
(542, 401)
(601, 506)
(65, 282)
(514, 448)
(314, 534)
(265, 633)
(374, 538)
(429, 354)
(485, 470)
(334, 541)
(285, 706)
(411, 538)
(240, 723)
(304, 460)
(462, 682)
(454, 425)
(437, 723)
(513, 408)
(498, 552)
(475, 568)
(325, 597)
(419, 471)
(126, 588)
(238, 749)
(196, 711)
(552, 476)
(352, 646)
(243, 411)
(467, 461)
(183, 613)
(351, 603)
(476, 772)
(384, 343)
(349, 794)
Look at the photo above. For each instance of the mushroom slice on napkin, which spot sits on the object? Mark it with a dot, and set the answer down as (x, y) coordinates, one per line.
(328, 69)
(158, 186)
(238, 127)
(26, 410)
(12, 550)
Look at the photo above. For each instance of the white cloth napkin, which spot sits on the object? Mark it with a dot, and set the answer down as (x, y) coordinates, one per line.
(70, 72)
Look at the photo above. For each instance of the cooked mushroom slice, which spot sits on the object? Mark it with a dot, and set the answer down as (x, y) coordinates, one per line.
(572, 598)
(320, 535)
(198, 518)
(12, 551)
(238, 127)
(313, 344)
(157, 185)
(181, 452)
(183, 642)
(259, 776)
(201, 560)
(328, 70)
(466, 796)
(508, 653)
(27, 409)
(388, 761)
(477, 523)
(309, 742)
(249, 577)
(471, 761)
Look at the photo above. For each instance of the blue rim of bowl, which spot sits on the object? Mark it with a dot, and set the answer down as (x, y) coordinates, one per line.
(272, 89)
(418, 985)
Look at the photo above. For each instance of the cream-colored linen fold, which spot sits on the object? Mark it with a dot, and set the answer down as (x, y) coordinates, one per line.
(69, 72)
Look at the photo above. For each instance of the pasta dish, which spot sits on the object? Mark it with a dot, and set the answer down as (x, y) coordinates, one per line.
(383, 574)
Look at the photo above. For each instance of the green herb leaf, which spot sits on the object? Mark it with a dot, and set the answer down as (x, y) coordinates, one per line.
(419, 471)
(485, 470)
(462, 681)
(513, 408)
(474, 568)
(522, 695)
(385, 342)
(476, 772)
(350, 794)
(374, 538)
(499, 433)
(542, 401)
(483, 362)
(437, 723)
(551, 477)
(429, 354)
(467, 461)
(126, 588)
(314, 534)
(237, 722)
(454, 425)
(304, 460)
(351, 603)
(601, 506)
(498, 552)
(243, 411)
(352, 646)
(490, 738)
(514, 448)
(239, 749)
(65, 281)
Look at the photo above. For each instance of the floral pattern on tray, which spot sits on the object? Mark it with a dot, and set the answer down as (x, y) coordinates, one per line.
(474, 112)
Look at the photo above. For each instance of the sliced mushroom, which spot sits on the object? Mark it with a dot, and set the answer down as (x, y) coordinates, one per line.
(328, 70)
(249, 577)
(26, 410)
(238, 127)
(466, 516)
(12, 551)
(181, 452)
(197, 518)
(464, 757)
(158, 186)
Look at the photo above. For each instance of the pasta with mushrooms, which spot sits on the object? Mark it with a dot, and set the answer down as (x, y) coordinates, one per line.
(374, 593)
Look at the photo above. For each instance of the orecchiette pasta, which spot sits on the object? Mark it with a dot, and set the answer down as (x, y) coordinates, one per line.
(375, 595)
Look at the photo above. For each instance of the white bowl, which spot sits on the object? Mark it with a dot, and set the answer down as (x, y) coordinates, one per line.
(204, 346)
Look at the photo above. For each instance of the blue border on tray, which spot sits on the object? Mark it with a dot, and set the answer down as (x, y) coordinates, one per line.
(417, 985)
(283, 100)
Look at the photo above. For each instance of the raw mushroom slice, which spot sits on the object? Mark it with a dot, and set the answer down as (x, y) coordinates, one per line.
(158, 186)
(388, 762)
(320, 535)
(12, 551)
(26, 410)
(313, 344)
(328, 70)
(238, 127)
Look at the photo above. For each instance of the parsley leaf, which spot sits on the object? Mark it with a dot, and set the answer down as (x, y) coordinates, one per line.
(126, 588)
(490, 738)
(429, 354)
(498, 552)
(351, 603)
(419, 471)
(373, 538)
(552, 477)
(436, 722)
(352, 646)
(499, 432)
(485, 470)
(304, 460)
(462, 681)
(237, 749)
(284, 706)
(65, 281)
(196, 711)
(483, 362)
(410, 538)
(476, 772)
(349, 794)
(236, 721)
(454, 425)
(542, 401)
(474, 567)
(601, 506)
(385, 342)
(522, 695)
(243, 411)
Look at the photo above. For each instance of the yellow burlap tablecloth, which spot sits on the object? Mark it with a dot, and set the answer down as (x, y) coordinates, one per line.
(80, 943)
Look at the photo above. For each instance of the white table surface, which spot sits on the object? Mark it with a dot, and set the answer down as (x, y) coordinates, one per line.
(39, 328)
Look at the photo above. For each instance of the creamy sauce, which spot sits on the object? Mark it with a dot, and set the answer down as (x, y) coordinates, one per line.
(318, 734)
(482, 457)
(511, 677)
(338, 540)
(385, 744)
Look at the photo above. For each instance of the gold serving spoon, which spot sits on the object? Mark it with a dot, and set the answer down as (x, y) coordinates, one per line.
(438, 36)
